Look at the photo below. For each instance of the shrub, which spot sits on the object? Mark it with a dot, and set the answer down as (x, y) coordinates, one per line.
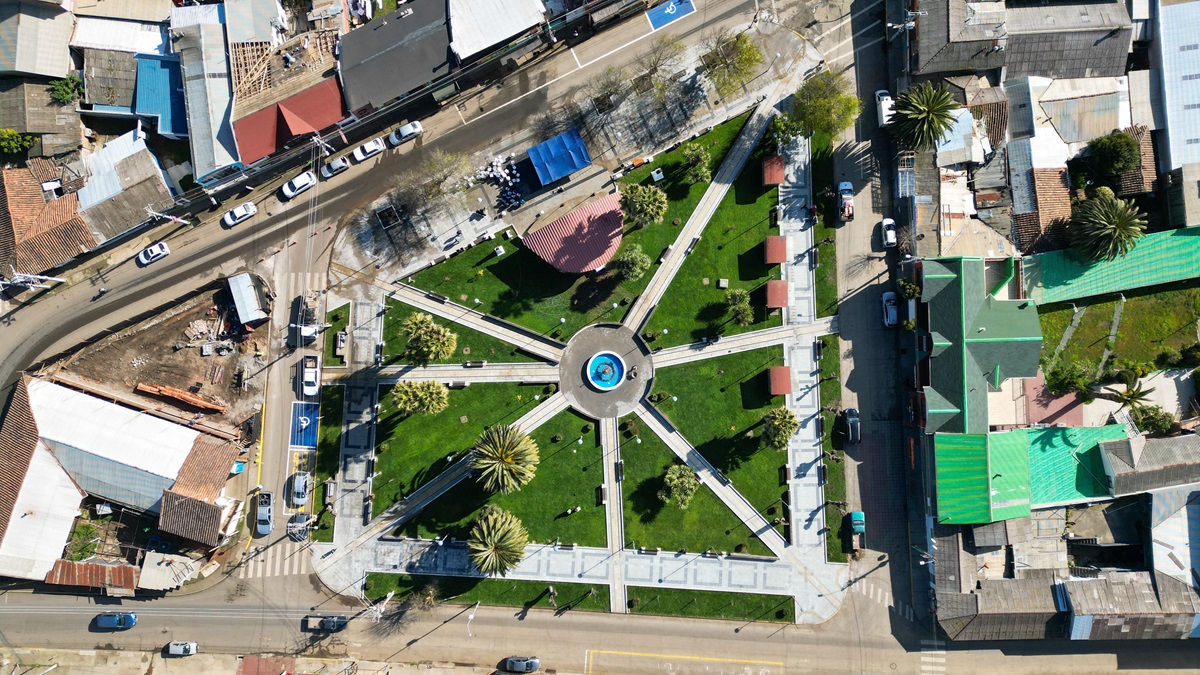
(1152, 419)
(632, 263)
(908, 325)
(1190, 356)
(908, 289)
(12, 143)
(1067, 378)
(1168, 358)
(1115, 153)
(66, 90)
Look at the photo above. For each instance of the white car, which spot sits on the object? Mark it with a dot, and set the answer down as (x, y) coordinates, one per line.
(154, 253)
(369, 149)
(181, 648)
(406, 133)
(889, 233)
(889, 309)
(239, 214)
(309, 376)
(264, 519)
(301, 484)
(334, 166)
(298, 184)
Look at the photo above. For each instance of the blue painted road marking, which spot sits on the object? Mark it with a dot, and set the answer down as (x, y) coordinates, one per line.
(671, 11)
(304, 424)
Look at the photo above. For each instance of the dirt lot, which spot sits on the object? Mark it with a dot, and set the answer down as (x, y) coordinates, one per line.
(232, 376)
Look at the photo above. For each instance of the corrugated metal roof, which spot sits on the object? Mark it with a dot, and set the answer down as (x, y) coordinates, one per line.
(1066, 466)
(1146, 99)
(120, 36)
(478, 24)
(195, 15)
(246, 299)
(160, 93)
(100, 168)
(255, 21)
(1175, 516)
(961, 463)
(208, 94)
(960, 144)
(117, 579)
(133, 10)
(583, 240)
(34, 39)
(1079, 120)
(1181, 80)
(40, 521)
(109, 79)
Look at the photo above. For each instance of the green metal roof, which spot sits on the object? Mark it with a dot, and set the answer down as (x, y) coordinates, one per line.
(980, 341)
(982, 478)
(1066, 463)
(1159, 258)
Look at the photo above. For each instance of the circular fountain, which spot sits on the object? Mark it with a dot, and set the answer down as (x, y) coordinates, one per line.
(605, 371)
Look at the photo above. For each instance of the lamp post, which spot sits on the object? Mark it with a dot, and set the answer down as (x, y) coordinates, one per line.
(470, 618)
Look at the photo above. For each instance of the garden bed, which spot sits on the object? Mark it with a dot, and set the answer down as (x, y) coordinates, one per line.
(824, 234)
(712, 604)
(499, 592)
(835, 472)
(336, 321)
(329, 454)
(472, 345)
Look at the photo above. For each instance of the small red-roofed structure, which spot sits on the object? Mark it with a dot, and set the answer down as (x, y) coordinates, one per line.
(780, 380)
(584, 240)
(777, 294)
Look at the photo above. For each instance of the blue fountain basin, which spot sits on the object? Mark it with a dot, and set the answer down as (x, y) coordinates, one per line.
(605, 371)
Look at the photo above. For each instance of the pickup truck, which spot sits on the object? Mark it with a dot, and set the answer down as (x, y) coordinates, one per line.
(846, 201)
(858, 532)
(303, 329)
(309, 377)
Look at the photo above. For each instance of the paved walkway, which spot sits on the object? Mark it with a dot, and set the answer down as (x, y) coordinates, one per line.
(744, 342)
(614, 510)
(524, 373)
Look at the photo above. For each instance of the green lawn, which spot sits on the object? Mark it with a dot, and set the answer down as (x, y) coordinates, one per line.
(337, 320)
(1054, 319)
(821, 148)
(835, 472)
(472, 344)
(720, 408)
(1090, 337)
(733, 248)
(502, 592)
(329, 452)
(712, 604)
(567, 476)
(412, 450)
(522, 288)
(649, 523)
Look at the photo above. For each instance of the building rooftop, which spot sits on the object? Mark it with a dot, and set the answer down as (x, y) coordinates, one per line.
(1174, 525)
(255, 21)
(269, 129)
(584, 240)
(109, 80)
(479, 24)
(26, 106)
(34, 39)
(120, 36)
(160, 93)
(962, 144)
(195, 506)
(1144, 177)
(36, 235)
(982, 478)
(262, 78)
(155, 11)
(123, 178)
(1066, 466)
(115, 579)
(1141, 464)
(1178, 62)
(418, 33)
(208, 95)
(40, 519)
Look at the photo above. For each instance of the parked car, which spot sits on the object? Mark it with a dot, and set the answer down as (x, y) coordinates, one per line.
(154, 253)
(333, 624)
(369, 149)
(889, 309)
(885, 106)
(309, 384)
(239, 214)
(301, 484)
(298, 184)
(522, 664)
(333, 167)
(406, 133)
(116, 620)
(265, 515)
(180, 648)
(889, 233)
(846, 201)
(851, 425)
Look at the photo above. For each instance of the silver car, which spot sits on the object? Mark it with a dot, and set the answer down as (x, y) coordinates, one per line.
(239, 214)
(334, 166)
(369, 149)
(522, 664)
(406, 133)
(181, 648)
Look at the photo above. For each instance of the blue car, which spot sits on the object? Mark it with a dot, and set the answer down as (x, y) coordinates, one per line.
(116, 620)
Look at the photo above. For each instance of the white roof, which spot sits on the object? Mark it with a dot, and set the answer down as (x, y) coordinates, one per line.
(961, 143)
(120, 36)
(246, 298)
(1181, 80)
(47, 504)
(476, 25)
(194, 15)
(107, 430)
(1175, 520)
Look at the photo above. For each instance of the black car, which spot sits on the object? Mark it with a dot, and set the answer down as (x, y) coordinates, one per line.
(851, 425)
(327, 624)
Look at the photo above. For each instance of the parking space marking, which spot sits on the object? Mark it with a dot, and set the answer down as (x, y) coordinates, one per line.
(676, 657)
(666, 14)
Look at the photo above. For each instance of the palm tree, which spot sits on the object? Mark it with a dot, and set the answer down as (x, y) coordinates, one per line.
(1105, 227)
(506, 458)
(497, 541)
(426, 340)
(1134, 395)
(922, 115)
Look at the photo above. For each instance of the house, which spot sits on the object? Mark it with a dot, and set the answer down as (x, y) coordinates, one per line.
(1130, 605)
(478, 25)
(1176, 62)
(152, 11)
(159, 97)
(256, 21)
(1087, 39)
(269, 129)
(39, 230)
(27, 108)
(1139, 464)
(35, 38)
(1009, 609)
(110, 69)
(367, 64)
(198, 37)
(122, 179)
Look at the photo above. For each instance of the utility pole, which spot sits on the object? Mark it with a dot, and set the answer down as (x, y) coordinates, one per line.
(470, 618)
(326, 149)
(151, 213)
(21, 280)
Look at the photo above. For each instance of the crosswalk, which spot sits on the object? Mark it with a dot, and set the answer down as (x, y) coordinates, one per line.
(281, 559)
(933, 657)
(883, 595)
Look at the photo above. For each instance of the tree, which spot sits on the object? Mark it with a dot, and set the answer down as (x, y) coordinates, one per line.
(505, 457)
(607, 88)
(1133, 395)
(679, 486)
(922, 115)
(778, 426)
(1114, 154)
(1067, 378)
(632, 263)
(643, 204)
(737, 296)
(67, 90)
(731, 60)
(427, 341)
(427, 398)
(825, 104)
(698, 162)
(660, 63)
(13, 143)
(1105, 228)
(742, 314)
(440, 175)
(783, 130)
(1153, 419)
(497, 541)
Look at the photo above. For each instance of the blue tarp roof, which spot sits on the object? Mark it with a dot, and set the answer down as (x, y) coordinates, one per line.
(560, 156)
(159, 93)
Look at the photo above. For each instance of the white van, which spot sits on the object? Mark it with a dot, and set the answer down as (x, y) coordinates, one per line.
(884, 105)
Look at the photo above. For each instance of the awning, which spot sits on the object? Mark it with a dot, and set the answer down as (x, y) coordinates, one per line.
(560, 156)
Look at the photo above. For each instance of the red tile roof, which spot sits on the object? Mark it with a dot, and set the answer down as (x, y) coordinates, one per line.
(1143, 177)
(263, 132)
(36, 235)
(117, 579)
(18, 439)
(777, 294)
(189, 508)
(780, 379)
(1045, 230)
(776, 250)
(773, 170)
(584, 239)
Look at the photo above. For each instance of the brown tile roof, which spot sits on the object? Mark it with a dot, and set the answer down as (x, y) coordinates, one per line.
(780, 380)
(18, 439)
(776, 250)
(36, 235)
(1026, 231)
(1046, 229)
(777, 294)
(117, 579)
(1143, 178)
(189, 508)
(995, 120)
(772, 170)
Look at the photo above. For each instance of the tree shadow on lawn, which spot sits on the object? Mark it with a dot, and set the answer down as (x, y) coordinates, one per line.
(644, 498)
(594, 290)
(673, 184)
(752, 264)
(524, 266)
(447, 515)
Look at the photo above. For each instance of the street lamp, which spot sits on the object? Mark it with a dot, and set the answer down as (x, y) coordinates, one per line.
(470, 618)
